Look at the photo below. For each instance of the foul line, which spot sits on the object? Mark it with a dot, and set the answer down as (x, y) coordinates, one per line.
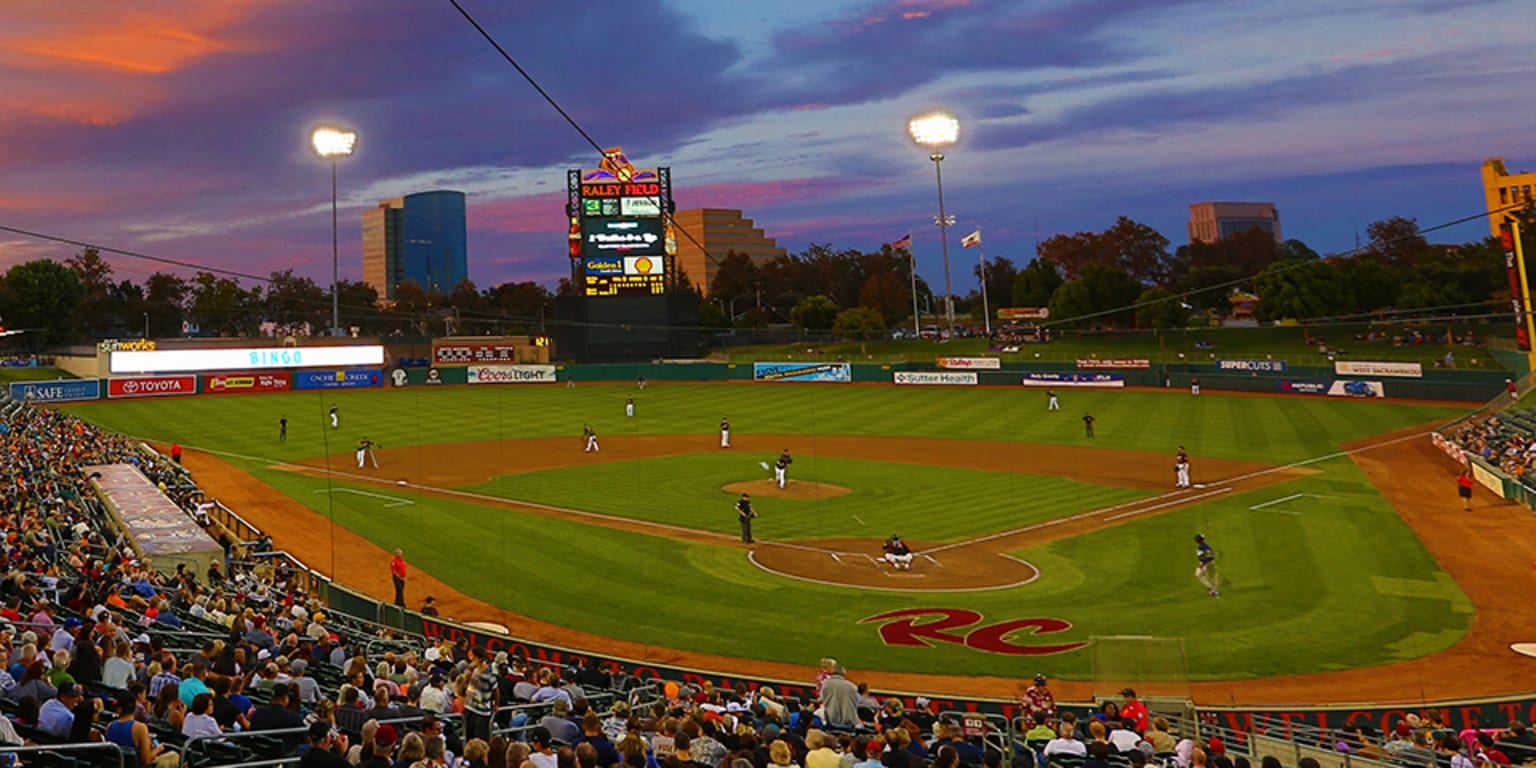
(397, 501)
(1273, 502)
(1170, 503)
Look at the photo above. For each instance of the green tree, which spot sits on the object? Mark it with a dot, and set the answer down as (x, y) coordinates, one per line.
(736, 278)
(94, 312)
(1035, 284)
(359, 303)
(1372, 284)
(221, 306)
(888, 293)
(1160, 308)
(814, 313)
(1207, 288)
(1301, 291)
(1000, 275)
(862, 323)
(39, 297)
(1397, 241)
(296, 304)
(165, 298)
(1104, 297)
(1071, 303)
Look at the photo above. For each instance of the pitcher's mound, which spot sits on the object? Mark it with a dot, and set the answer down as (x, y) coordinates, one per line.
(794, 489)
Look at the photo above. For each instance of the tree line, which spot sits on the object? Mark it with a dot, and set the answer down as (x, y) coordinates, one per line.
(80, 298)
(1125, 276)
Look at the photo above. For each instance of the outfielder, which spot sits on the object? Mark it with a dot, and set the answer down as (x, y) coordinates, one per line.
(780, 467)
(1206, 571)
(1181, 469)
(282, 428)
(725, 433)
(365, 452)
(335, 418)
(897, 553)
(629, 407)
(1194, 385)
(1053, 404)
(589, 437)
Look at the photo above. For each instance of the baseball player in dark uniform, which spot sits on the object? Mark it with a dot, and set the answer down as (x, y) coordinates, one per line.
(282, 429)
(897, 553)
(1088, 424)
(781, 467)
(744, 514)
(1206, 570)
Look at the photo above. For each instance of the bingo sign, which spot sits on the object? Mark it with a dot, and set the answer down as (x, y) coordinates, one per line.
(338, 379)
(470, 354)
(511, 374)
(261, 382)
(151, 386)
(621, 232)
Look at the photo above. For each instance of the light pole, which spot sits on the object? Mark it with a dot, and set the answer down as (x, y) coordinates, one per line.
(146, 325)
(935, 130)
(329, 143)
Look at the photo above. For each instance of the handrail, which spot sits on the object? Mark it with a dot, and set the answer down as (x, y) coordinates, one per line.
(76, 746)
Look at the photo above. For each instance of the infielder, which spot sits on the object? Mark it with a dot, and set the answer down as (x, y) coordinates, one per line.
(897, 553)
(335, 418)
(1053, 404)
(780, 467)
(1206, 571)
(1181, 469)
(589, 437)
(365, 452)
(629, 407)
(745, 513)
(725, 433)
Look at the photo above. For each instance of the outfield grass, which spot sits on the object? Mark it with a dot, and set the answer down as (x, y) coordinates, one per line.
(1319, 583)
(8, 375)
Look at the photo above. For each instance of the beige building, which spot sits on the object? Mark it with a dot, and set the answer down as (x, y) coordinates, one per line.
(718, 231)
(1209, 222)
(1504, 190)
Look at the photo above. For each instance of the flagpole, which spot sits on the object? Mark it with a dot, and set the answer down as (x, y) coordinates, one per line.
(916, 319)
(986, 314)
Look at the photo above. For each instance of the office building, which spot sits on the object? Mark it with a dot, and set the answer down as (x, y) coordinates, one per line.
(418, 237)
(1209, 222)
(1504, 190)
(718, 231)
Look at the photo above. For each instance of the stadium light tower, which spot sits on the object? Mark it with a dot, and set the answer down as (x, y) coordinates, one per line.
(935, 131)
(330, 143)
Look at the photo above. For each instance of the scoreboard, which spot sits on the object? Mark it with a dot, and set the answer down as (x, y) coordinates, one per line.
(621, 236)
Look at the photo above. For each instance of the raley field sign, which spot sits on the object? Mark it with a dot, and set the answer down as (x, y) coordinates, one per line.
(151, 386)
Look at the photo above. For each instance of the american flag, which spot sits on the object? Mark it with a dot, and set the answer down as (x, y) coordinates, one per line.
(905, 241)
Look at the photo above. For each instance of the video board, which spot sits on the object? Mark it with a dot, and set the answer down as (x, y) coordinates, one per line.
(621, 236)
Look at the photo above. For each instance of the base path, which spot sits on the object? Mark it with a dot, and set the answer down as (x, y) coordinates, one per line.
(1482, 550)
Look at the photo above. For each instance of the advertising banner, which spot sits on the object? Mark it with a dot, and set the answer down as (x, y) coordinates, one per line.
(1488, 478)
(1023, 313)
(839, 372)
(1113, 363)
(1304, 387)
(1073, 380)
(241, 359)
(151, 386)
(469, 354)
(62, 391)
(1516, 295)
(1251, 366)
(958, 378)
(256, 382)
(1363, 368)
(973, 363)
(639, 236)
(1342, 388)
(1449, 448)
(511, 374)
(355, 379)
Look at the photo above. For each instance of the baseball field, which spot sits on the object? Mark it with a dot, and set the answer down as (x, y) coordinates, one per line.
(1031, 538)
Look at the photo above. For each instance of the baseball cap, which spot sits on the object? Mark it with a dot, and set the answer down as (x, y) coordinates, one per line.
(71, 623)
(1127, 692)
(142, 639)
(1040, 679)
(922, 702)
(299, 665)
(385, 735)
(320, 729)
(67, 688)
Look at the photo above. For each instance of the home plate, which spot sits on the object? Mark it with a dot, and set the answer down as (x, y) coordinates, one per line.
(1524, 649)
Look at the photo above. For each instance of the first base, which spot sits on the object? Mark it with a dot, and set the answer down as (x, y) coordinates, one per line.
(1199, 485)
(399, 482)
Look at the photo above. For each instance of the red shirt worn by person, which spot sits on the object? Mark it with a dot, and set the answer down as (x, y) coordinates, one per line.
(397, 567)
(1133, 709)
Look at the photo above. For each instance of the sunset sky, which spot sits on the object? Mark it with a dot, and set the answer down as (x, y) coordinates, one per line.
(178, 127)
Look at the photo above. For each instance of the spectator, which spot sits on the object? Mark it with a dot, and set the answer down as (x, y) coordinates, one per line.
(326, 748)
(277, 713)
(592, 733)
(1132, 710)
(412, 748)
(780, 755)
(194, 686)
(57, 717)
(34, 684)
(133, 736)
(559, 725)
(950, 736)
(199, 720)
(1065, 743)
(380, 752)
(839, 699)
(1161, 740)
(823, 752)
(541, 752)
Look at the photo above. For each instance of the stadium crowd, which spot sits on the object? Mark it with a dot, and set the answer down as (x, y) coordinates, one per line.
(97, 645)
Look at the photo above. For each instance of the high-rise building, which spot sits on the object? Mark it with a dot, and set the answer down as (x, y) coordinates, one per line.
(1209, 222)
(418, 237)
(1505, 190)
(718, 231)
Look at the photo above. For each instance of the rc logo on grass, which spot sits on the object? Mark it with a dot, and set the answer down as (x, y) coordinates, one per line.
(903, 628)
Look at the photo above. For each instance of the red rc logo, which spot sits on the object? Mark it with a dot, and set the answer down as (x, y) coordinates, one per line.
(903, 628)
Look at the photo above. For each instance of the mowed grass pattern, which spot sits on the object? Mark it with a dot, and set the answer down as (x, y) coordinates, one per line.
(1342, 573)
(922, 503)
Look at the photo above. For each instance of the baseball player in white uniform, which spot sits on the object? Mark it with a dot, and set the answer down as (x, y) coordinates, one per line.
(365, 452)
(781, 467)
(1053, 404)
(335, 418)
(725, 433)
(590, 437)
(629, 407)
(897, 553)
(1181, 469)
